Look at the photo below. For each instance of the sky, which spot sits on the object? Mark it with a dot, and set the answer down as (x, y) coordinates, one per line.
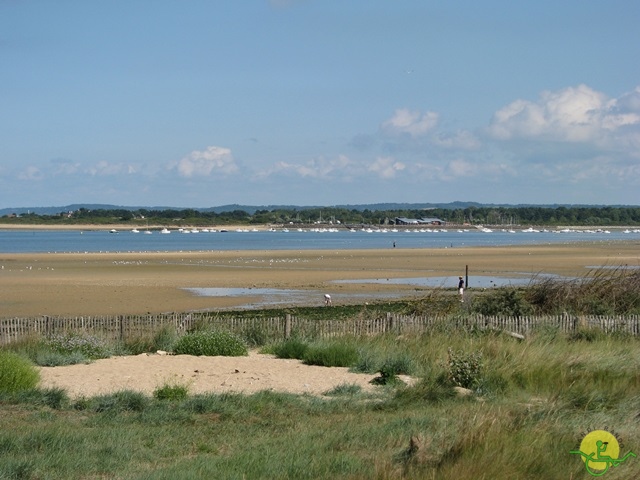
(202, 103)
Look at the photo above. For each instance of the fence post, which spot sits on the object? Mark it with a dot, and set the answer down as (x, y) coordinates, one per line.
(120, 319)
(390, 322)
(287, 325)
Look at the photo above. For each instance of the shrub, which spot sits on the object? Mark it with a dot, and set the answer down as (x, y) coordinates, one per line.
(255, 336)
(210, 343)
(292, 348)
(165, 338)
(465, 369)
(398, 365)
(391, 368)
(55, 398)
(367, 362)
(72, 343)
(171, 392)
(331, 355)
(123, 401)
(344, 389)
(17, 373)
(49, 358)
(503, 301)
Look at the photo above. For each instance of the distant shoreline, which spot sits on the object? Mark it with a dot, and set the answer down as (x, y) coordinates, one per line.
(265, 227)
(122, 227)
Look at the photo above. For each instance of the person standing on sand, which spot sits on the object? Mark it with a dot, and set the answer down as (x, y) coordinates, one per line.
(461, 288)
(327, 300)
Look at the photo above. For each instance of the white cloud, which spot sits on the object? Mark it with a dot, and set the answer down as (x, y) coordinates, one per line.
(386, 167)
(574, 114)
(65, 167)
(31, 173)
(413, 123)
(461, 168)
(104, 169)
(204, 163)
(462, 139)
(320, 167)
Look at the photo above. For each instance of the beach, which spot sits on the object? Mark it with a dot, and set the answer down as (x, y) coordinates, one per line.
(157, 282)
(75, 284)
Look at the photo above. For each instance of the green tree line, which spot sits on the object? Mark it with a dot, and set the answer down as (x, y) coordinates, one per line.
(530, 215)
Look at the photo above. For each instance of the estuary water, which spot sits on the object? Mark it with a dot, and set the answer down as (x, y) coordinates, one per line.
(70, 241)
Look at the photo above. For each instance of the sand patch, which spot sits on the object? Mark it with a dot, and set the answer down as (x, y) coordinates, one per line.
(145, 373)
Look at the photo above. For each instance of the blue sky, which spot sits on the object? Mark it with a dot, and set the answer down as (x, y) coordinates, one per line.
(202, 103)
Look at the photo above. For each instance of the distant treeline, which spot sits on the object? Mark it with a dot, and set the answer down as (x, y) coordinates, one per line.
(529, 215)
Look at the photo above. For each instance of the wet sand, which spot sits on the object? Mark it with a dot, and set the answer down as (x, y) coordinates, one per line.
(130, 283)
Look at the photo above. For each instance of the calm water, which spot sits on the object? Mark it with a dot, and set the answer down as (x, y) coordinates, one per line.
(31, 241)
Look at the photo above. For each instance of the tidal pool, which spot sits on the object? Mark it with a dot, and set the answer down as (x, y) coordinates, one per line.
(475, 281)
(268, 297)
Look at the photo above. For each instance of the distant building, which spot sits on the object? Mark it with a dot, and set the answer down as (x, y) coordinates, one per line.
(418, 221)
(432, 221)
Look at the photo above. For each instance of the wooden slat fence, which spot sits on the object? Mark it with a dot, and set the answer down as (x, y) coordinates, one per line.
(125, 327)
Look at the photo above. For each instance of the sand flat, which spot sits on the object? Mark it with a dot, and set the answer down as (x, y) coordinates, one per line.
(151, 282)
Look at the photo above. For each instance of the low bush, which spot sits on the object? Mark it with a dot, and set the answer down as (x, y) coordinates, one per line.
(503, 301)
(391, 367)
(344, 389)
(331, 355)
(49, 358)
(90, 346)
(123, 401)
(465, 369)
(171, 392)
(255, 336)
(55, 398)
(17, 373)
(210, 343)
(162, 339)
(292, 348)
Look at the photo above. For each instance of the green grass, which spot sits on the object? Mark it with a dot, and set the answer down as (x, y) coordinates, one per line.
(534, 401)
(17, 373)
(210, 343)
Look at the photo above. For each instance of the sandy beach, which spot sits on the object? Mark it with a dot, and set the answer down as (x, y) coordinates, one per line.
(129, 283)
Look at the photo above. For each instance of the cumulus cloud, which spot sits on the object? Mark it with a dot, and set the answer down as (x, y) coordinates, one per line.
(107, 169)
(461, 168)
(574, 114)
(206, 162)
(461, 139)
(320, 167)
(31, 173)
(408, 122)
(63, 166)
(386, 167)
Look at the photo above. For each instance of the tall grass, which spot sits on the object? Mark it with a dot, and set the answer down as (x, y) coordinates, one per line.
(17, 373)
(534, 401)
(603, 291)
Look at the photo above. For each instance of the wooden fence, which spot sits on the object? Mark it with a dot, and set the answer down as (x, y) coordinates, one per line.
(128, 327)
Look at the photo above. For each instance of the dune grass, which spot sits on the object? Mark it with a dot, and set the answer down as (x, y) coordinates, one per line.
(531, 403)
